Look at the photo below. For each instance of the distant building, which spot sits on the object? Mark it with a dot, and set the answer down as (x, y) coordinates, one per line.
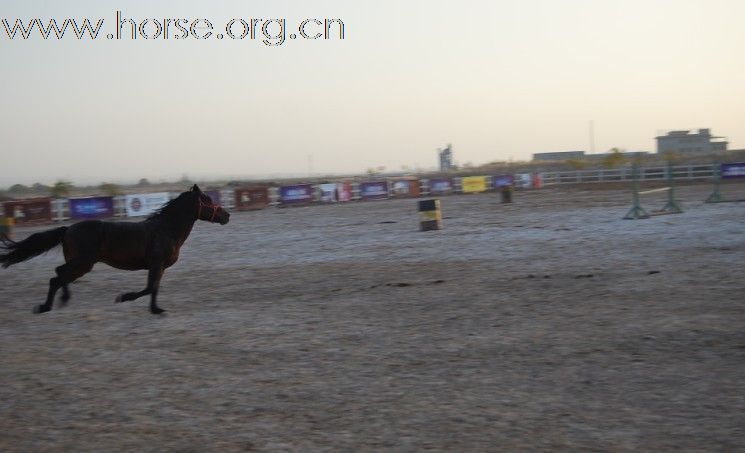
(446, 158)
(558, 156)
(690, 142)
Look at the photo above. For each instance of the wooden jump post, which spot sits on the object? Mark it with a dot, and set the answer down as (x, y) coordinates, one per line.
(716, 195)
(725, 171)
(671, 207)
(636, 211)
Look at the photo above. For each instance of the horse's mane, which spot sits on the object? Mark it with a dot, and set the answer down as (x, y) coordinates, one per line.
(175, 205)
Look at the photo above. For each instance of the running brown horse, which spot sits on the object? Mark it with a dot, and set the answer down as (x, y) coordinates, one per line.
(151, 245)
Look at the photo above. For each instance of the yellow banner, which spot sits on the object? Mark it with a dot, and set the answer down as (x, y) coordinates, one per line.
(473, 184)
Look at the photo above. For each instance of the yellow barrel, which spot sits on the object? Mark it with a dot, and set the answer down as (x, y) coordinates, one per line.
(6, 226)
(430, 215)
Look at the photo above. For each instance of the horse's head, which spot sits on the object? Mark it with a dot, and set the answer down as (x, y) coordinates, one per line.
(207, 209)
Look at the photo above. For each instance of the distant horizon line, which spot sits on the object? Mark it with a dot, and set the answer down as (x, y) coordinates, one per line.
(210, 178)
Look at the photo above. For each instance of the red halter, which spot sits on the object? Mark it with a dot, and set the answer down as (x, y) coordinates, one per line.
(213, 206)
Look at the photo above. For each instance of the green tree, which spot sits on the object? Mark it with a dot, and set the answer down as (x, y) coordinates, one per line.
(614, 158)
(109, 189)
(576, 164)
(375, 171)
(40, 188)
(61, 189)
(18, 189)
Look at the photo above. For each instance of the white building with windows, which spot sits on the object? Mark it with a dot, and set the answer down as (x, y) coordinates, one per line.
(691, 142)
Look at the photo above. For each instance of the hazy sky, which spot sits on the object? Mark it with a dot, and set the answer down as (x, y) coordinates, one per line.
(498, 79)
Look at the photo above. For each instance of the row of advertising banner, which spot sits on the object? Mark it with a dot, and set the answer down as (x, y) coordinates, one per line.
(141, 205)
(299, 194)
(253, 198)
(40, 210)
(146, 204)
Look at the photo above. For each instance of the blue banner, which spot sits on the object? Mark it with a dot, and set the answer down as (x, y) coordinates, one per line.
(735, 170)
(91, 208)
(374, 190)
(297, 194)
(501, 181)
(440, 185)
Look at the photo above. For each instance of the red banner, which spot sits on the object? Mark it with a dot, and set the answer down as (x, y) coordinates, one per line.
(37, 210)
(249, 198)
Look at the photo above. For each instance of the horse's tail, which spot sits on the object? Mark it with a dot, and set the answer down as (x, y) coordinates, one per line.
(12, 252)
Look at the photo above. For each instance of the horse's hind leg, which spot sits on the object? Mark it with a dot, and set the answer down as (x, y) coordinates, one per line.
(67, 273)
(65, 295)
(54, 284)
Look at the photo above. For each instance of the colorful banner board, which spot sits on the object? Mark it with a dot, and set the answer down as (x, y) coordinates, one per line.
(524, 180)
(405, 188)
(501, 181)
(36, 210)
(344, 191)
(732, 171)
(145, 204)
(473, 184)
(296, 194)
(374, 190)
(91, 208)
(537, 180)
(329, 193)
(251, 198)
(400, 188)
(440, 186)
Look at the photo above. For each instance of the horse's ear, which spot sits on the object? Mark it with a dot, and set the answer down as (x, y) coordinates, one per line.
(195, 188)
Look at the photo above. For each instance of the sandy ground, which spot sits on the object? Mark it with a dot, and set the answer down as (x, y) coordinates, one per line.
(548, 324)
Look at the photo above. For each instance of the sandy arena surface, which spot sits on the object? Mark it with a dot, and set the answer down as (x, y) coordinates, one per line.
(548, 324)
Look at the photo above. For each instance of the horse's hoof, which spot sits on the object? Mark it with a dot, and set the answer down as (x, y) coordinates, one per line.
(157, 311)
(40, 309)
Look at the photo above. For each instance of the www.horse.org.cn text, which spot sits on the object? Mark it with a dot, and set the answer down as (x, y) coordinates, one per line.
(270, 32)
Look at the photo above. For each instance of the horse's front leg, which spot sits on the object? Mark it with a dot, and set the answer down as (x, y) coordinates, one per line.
(153, 281)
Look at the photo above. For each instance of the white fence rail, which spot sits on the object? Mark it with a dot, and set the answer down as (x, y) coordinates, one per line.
(689, 172)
